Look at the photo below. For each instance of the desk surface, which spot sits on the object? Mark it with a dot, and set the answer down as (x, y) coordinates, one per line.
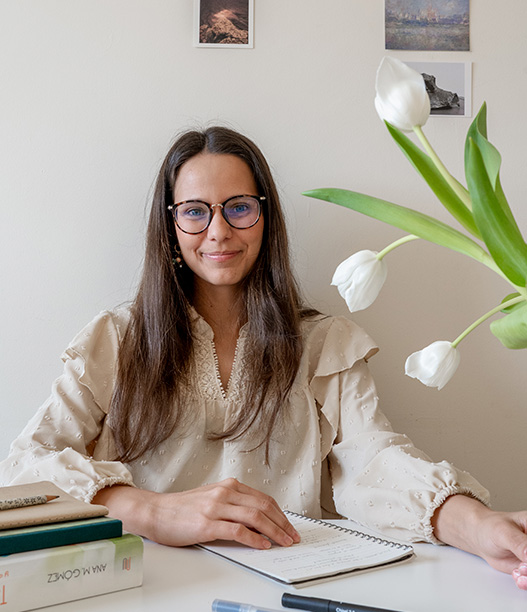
(437, 579)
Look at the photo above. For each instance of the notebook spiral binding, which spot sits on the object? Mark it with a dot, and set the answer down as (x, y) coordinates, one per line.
(360, 534)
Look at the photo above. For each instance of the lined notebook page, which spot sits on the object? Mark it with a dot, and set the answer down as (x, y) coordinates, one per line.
(325, 550)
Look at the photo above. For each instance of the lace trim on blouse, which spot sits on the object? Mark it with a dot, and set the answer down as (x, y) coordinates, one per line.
(208, 378)
(224, 391)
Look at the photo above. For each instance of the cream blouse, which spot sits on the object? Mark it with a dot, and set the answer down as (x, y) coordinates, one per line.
(334, 454)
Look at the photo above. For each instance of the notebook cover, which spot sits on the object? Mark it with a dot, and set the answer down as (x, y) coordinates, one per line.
(64, 508)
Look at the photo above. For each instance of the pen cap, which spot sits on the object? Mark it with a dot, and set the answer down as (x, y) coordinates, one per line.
(313, 604)
(225, 606)
(219, 605)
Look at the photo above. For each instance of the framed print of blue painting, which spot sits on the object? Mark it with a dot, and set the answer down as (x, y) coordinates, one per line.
(427, 25)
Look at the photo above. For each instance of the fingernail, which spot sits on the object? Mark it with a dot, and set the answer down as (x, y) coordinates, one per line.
(294, 534)
(522, 582)
(288, 540)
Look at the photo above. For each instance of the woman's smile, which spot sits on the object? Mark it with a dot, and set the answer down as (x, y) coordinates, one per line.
(221, 256)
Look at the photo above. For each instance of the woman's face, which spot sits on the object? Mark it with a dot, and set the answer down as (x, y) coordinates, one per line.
(221, 255)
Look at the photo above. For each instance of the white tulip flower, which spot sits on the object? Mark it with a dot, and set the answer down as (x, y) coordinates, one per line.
(434, 365)
(401, 98)
(359, 279)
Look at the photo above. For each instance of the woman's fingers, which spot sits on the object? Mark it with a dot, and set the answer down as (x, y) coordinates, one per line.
(243, 505)
(520, 576)
(236, 532)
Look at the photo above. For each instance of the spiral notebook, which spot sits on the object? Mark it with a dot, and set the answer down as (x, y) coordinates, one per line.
(326, 550)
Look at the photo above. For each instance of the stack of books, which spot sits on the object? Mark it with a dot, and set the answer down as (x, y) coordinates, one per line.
(55, 548)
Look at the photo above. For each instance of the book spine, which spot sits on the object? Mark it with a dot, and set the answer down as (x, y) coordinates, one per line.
(59, 534)
(50, 576)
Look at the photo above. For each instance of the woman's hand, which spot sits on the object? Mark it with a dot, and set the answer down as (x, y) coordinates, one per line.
(227, 510)
(498, 537)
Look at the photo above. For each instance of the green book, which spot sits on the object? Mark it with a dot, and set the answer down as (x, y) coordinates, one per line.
(50, 535)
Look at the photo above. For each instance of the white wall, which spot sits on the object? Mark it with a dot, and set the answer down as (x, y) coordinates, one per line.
(92, 93)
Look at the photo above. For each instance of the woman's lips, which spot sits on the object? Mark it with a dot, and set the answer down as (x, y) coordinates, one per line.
(220, 256)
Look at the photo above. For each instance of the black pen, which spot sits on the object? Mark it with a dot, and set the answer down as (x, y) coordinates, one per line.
(314, 604)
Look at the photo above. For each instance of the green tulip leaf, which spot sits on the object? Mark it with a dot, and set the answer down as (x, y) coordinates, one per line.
(409, 220)
(511, 329)
(511, 296)
(503, 238)
(491, 159)
(491, 156)
(428, 170)
(504, 204)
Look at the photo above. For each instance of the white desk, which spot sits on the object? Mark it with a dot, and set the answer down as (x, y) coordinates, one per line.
(437, 579)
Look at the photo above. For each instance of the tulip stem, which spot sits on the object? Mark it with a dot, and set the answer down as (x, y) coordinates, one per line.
(483, 318)
(458, 189)
(396, 244)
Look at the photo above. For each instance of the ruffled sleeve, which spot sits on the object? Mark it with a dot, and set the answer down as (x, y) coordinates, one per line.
(334, 346)
(378, 477)
(68, 440)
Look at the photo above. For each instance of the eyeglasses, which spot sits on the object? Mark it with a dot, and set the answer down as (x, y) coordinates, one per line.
(195, 216)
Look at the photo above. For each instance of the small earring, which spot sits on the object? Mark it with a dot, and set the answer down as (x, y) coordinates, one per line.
(177, 260)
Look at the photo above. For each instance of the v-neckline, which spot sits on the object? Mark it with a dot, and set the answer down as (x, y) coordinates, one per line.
(224, 390)
(208, 332)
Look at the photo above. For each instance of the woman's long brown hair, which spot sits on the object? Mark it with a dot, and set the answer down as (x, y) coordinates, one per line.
(156, 354)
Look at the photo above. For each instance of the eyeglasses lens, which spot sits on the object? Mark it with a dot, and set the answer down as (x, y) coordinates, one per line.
(240, 212)
(192, 217)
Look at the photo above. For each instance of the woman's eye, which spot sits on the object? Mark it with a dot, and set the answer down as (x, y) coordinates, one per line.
(195, 212)
(240, 208)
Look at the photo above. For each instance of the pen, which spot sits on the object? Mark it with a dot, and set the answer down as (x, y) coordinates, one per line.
(21, 502)
(218, 605)
(314, 604)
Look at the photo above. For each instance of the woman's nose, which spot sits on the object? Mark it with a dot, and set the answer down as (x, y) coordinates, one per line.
(219, 228)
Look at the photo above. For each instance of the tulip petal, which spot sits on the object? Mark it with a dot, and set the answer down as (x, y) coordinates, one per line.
(434, 365)
(401, 97)
(359, 279)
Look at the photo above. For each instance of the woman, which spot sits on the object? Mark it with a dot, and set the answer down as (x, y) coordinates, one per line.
(216, 400)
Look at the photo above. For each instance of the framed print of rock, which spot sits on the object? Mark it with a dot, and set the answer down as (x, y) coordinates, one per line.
(449, 87)
(223, 23)
(427, 25)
